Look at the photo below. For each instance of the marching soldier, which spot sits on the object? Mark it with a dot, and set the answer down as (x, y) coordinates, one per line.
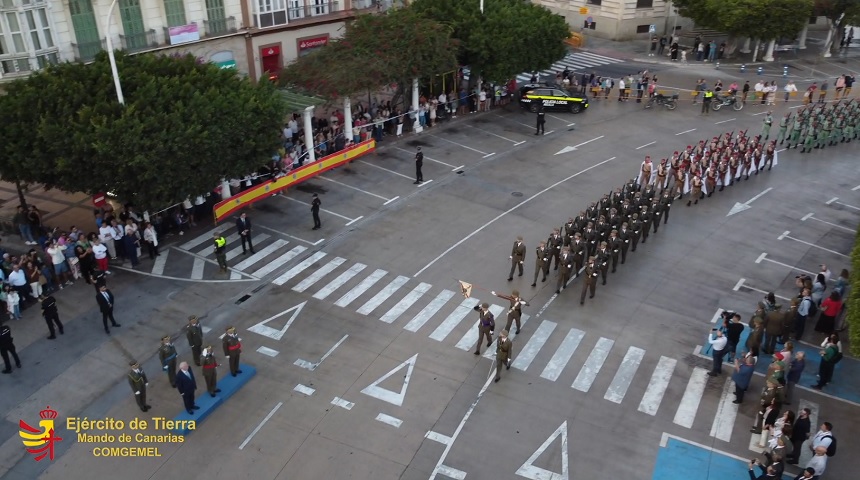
(645, 218)
(711, 180)
(614, 219)
(590, 237)
(518, 256)
(210, 374)
(661, 175)
(696, 190)
(554, 244)
(486, 325)
(515, 311)
(635, 231)
(167, 355)
(577, 250)
(138, 383)
(564, 273)
(783, 127)
(570, 228)
(194, 334)
(679, 183)
(615, 245)
(603, 256)
(542, 262)
(592, 212)
(232, 349)
(589, 281)
(765, 128)
(52, 316)
(656, 213)
(624, 235)
(666, 203)
(504, 352)
(602, 228)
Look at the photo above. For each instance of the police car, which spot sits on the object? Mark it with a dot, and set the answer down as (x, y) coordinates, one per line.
(552, 98)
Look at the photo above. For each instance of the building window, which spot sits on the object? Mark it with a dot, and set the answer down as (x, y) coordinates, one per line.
(643, 28)
(320, 7)
(40, 31)
(216, 17)
(271, 13)
(26, 40)
(132, 24)
(297, 9)
(86, 29)
(644, 4)
(593, 2)
(175, 10)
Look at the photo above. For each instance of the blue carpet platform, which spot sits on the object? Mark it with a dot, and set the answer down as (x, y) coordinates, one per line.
(228, 385)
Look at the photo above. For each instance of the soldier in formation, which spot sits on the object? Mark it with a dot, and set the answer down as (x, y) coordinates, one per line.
(819, 125)
(167, 356)
(210, 364)
(232, 349)
(138, 382)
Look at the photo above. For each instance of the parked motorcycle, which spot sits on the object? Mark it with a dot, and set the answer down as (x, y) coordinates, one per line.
(726, 100)
(670, 102)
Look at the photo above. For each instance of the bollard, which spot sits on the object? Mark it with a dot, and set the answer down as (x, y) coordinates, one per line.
(717, 65)
(743, 67)
(760, 70)
(785, 70)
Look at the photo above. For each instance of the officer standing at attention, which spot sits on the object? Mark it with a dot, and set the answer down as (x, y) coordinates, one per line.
(486, 324)
(541, 120)
(7, 346)
(566, 268)
(541, 262)
(194, 334)
(209, 372)
(518, 256)
(138, 382)
(52, 317)
(589, 280)
(419, 162)
(315, 211)
(504, 351)
(221, 251)
(232, 349)
(167, 356)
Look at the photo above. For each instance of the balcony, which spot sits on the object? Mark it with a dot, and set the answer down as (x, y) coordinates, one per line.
(136, 42)
(87, 51)
(223, 26)
(311, 8)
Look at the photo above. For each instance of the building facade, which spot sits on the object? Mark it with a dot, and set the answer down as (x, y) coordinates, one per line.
(619, 19)
(257, 37)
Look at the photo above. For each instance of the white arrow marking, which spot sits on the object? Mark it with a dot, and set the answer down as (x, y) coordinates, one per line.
(529, 470)
(570, 149)
(394, 398)
(274, 333)
(740, 207)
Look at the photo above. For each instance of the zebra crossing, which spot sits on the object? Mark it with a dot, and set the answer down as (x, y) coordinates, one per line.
(577, 62)
(448, 318)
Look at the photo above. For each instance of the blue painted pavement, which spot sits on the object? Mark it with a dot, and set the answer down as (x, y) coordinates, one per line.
(683, 460)
(228, 385)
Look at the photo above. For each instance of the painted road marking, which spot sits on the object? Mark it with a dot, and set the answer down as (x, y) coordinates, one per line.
(718, 314)
(268, 250)
(339, 281)
(288, 235)
(391, 200)
(308, 204)
(406, 302)
(454, 319)
(389, 420)
(208, 236)
(313, 366)
(786, 235)
(160, 262)
(562, 354)
(533, 346)
(491, 351)
(249, 437)
(206, 330)
(318, 274)
(437, 437)
(267, 351)
(383, 168)
(657, 386)
(357, 218)
(686, 412)
(424, 315)
(763, 257)
(440, 162)
(727, 412)
(386, 199)
(383, 295)
(459, 144)
(232, 253)
(359, 289)
(304, 390)
(810, 215)
(495, 135)
(624, 375)
(592, 366)
(235, 252)
(197, 268)
(685, 131)
(640, 147)
(280, 261)
(275, 333)
(470, 338)
(289, 274)
(725, 121)
(450, 472)
(530, 471)
(392, 397)
(339, 402)
(852, 207)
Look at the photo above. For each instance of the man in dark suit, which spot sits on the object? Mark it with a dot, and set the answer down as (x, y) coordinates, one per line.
(105, 301)
(186, 385)
(243, 226)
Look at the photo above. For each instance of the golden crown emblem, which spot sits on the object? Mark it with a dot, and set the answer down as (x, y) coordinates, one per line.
(48, 414)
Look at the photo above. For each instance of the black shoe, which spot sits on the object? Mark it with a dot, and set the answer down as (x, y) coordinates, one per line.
(582, 303)
(696, 202)
(712, 374)
(233, 374)
(534, 285)
(520, 275)
(52, 337)
(147, 406)
(190, 412)
(499, 378)
(478, 352)
(116, 325)
(518, 331)
(217, 390)
(238, 371)
(7, 371)
(416, 181)
(195, 407)
(736, 402)
(142, 409)
(62, 332)
(212, 395)
(244, 252)
(253, 251)
(558, 292)
(510, 279)
(591, 296)
(107, 331)
(544, 280)
(489, 343)
(613, 270)
(508, 366)
(604, 282)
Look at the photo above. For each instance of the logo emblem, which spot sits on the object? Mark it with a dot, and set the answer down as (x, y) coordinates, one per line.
(41, 440)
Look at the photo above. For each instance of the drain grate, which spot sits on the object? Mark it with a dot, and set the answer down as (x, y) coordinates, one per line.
(242, 299)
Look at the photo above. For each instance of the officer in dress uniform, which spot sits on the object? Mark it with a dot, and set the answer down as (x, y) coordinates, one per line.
(590, 237)
(232, 349)
(656, 213)
(554, 244)
(645, 218)
(210, 374)
(635, 231)
(624, 235)
(486, 325)
(696, 190)
(542, 261)
(194, 334)
(518, 256)
(589, 280)
(515, 311)
(603, 257)
(666, 202)
(541, 120)
(504, 352)
(577, 250)
(167, 356)
(138, 382)
(52, 316)
(615, 245)
(566, 268)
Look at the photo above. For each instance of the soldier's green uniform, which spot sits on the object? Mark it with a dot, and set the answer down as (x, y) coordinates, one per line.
(836, 133)
(848, 130)
(544, 256)
(232, 349)
(808, 139)
(167, 355)
(194, 334)
(504, 352)
(783, 127)
(210, 373)
(822, 135)
(765, 128)
(138, 382)
(589, 280)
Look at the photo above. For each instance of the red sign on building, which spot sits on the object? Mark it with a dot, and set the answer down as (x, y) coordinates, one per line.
(313, 42)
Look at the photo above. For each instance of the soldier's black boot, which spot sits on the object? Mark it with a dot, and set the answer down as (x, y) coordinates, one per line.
(756, 172)
(696, 202)
(534, 285)
(710, 193)
(690, 202)
(722, 187)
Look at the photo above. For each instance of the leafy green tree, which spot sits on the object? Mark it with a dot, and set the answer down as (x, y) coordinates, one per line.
(376, 50)
(510, 37)
(762, 19)
(183, 127)
(840, 13)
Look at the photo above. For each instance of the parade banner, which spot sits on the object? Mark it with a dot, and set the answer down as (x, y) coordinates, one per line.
(254, 194)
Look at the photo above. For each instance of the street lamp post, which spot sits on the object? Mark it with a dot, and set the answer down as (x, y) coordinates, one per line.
(109, 42)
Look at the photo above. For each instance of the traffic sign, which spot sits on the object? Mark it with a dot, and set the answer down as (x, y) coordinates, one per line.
(589, 20)
(583, 11)
(652, 29)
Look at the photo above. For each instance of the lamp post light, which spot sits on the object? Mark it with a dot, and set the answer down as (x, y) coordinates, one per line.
(109, 45)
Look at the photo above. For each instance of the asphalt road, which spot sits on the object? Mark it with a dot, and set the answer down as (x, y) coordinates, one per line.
(371, 375)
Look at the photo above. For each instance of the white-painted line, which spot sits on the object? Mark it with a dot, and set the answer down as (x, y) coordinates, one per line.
(657, 386)
(437, 437)
(520, 142)
(432, 308)
(490, 353)
(457, 168)
(318, 242)
(308, 204)
(159, 263)
(781, 150)
(533, 472)
(235, 252)
(562, 354)
(391, 396)
(491, 154)
(313, 366)
(454, 319)
(383, 295)
(499, 216)
(305, 390)
(289, 274)
(727, 412)
(359, 289)
(756, 114)
(855, 188)
(356, 219)
(761, 291)
(761, 257)
(738, 285)
(725, 121)
(786, 235)
(470, 338)
(549, 132)
(353, 188)
(588, 141)
(640, 147)
(385, 169)
(234, 275)
(530, 127)
(685, 131)
(284, 234)
(571, 124)
(533, 346)
(197, 268)
(339, 402)
(451, 472)
(267, 351)
(806, 217)
(206, 330)
(495, 135)
(790, 267)
(277, 334)
(339, 281)
(458, 144)
(828, 223)
(265, 252)
(440, 162)
(624, 375)
(249, 437)
(717, 315)
(689, 405)
(404, 303)
(318, 274)
(391, 200)
(555, 117)
(852, 207)
(593, 364)
(664, 441)
(831, 200)
(425, 183)
(389, 420)
(208, 236)
(280, 261)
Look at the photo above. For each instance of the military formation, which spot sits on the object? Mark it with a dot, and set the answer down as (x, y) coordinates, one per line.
(819, 125)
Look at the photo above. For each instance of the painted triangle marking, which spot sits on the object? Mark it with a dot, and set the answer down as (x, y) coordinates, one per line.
(390, 396)
(529, 470)
(275, 333)
(566, 150)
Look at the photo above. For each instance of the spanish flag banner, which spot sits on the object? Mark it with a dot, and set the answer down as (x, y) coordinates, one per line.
(465, 289)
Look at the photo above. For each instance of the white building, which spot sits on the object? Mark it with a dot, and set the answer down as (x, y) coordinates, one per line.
(253, 36)
(619, 19)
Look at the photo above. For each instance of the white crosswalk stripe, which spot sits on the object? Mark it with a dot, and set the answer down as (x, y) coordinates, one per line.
(576, 62)
(470, 339)
(383, 295)
(424, 315)
(686, 412)
(657, 386)
(406, 302)
(280, 261)
(339, 281)
(359, 289)
(286, 276)
(562, 354)
(530, 351)
(624, 375)
(593, 364)
(454, 319)
(512, 335)
(319, 274)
